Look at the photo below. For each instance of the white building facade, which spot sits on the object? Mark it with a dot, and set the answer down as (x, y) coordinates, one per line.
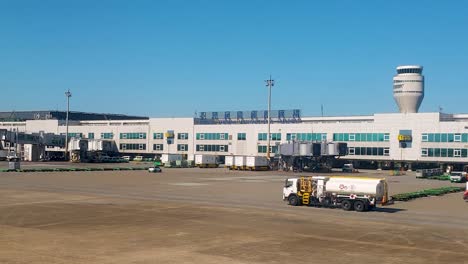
(408, 137)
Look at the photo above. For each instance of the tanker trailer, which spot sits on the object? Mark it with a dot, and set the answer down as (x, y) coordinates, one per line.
(349, 193)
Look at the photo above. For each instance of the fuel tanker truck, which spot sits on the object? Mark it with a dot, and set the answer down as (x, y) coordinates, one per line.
(360, 194)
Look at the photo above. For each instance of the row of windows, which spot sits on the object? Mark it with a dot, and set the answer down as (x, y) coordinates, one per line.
(444, 152)
(362, 137)
(407, 92)
(405, 81)
(182, 147)
(368, 151)
(306, 136)
(216, 148)
(132, 135)
(133, 146)
(182, 136)
(273, 136)
(414, 70)
(107, 135)
(212, 136)
(75, 135)
(263, 149)
(444, 137)
(241, 136)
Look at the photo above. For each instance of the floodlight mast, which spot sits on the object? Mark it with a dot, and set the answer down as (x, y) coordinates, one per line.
(68, 95)
(269, 83)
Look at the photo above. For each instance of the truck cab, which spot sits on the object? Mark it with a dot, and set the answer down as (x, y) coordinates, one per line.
(290, 187)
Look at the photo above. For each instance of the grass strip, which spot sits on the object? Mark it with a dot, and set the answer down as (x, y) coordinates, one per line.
(425, 193)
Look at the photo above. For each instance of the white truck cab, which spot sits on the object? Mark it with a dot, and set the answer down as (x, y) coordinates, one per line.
(458, 176)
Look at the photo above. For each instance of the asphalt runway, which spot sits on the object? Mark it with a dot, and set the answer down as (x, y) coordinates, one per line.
(215, 216)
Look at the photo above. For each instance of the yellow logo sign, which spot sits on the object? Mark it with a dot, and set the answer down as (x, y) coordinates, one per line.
(404, 138)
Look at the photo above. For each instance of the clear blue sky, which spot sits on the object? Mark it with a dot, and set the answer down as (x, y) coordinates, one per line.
(172, 58)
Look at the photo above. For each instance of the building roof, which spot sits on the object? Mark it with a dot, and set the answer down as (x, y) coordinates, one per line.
(61, 115)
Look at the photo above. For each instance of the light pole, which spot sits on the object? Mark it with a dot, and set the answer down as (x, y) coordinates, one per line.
(68, 95)
(269, 83)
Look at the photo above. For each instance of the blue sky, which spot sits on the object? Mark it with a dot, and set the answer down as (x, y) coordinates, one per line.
(172, 58)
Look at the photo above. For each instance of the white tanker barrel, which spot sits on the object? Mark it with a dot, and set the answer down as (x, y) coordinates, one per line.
(363, 186)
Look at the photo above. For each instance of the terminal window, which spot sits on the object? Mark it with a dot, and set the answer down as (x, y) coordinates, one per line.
(306, 136)
(107, 135)
(444, 137)
(182, 147)
(263, 149)
(241, 136)
(158, 135)
(273, 136)
(132, 135)
(182, 136)
(212, 136)
(444, 152)
(361, 137)
(133, 146)
(212, 148)
(158, 147)
(368, 151)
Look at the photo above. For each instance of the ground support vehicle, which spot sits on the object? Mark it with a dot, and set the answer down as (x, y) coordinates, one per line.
(458, 176)
(206, 161)
(229, 162)
(240, 162)
(154, 169)
(257, 163)
(170, 158)
(348, 168)
(359, 193)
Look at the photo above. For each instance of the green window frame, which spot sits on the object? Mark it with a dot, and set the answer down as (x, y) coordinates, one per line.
(107, 135)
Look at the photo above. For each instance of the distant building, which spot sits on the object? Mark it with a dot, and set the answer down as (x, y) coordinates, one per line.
(407, 136)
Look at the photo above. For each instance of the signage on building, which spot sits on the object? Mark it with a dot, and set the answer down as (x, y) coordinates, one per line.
(245, 117)
(405, 138)
(169, 136)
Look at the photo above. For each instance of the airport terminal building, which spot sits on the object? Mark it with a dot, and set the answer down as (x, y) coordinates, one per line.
(407, 136)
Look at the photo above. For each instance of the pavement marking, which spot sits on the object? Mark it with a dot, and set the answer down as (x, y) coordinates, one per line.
(188, 184)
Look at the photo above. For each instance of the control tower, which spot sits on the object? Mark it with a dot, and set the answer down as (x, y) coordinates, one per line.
(408, 88)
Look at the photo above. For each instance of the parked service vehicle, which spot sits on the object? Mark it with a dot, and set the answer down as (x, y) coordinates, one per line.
(154, 169)
(240, 162)
(206, 161)
(127, 158)
(170, 158)
(138, 158)
(350, 193)
(257, 163)
(458, 176)
(348, 168)
(229, 162)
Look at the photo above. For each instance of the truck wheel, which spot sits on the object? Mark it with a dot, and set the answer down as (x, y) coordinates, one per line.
(347, 205)
(359, 206)
(293, 200)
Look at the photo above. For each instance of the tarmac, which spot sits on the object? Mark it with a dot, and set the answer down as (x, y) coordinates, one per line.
(216, 216)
